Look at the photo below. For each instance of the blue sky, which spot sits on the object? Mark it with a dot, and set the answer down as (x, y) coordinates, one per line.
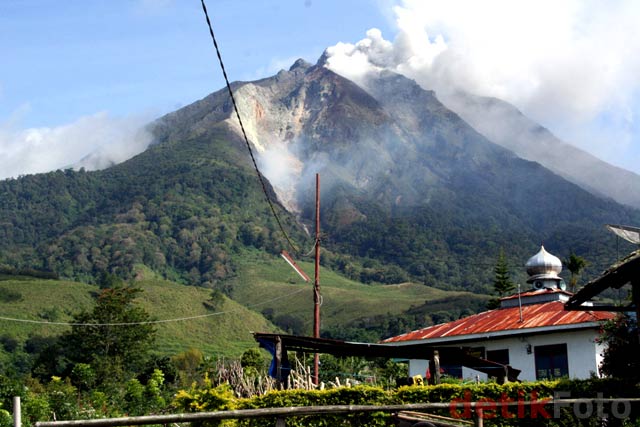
(67, 59)
(79, 75)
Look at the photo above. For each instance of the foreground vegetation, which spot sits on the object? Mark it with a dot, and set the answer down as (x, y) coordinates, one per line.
(105, 363)
(68, 399)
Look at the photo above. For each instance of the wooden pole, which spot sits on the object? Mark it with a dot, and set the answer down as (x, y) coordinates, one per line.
(316, 286)
(478, 419)
(278, 358)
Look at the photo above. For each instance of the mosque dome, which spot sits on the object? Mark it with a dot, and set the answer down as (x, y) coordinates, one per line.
(543, 265)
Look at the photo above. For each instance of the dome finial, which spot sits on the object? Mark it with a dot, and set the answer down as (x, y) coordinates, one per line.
(544, 266)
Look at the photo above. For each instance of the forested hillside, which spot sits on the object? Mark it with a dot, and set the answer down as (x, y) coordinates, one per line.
(410, 192)
(181, 208)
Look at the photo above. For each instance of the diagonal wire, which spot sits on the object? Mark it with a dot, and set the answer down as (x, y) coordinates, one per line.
(244, 134)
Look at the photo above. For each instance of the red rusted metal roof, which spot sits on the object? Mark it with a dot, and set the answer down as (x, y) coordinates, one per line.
(537, 292)
(548, 314)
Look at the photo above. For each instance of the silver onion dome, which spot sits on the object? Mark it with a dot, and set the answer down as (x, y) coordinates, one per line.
(543, 264)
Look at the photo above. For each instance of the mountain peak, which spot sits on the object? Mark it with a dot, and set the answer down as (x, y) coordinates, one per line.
(300, 64)
(324, 58)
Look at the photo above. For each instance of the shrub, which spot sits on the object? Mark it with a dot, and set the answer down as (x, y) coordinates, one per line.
(206, 398)
(9, 344)
(6, 420)
(8, 295)
(359, 395)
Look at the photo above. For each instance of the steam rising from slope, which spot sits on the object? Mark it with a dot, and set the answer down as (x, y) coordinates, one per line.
(93, 142)
(570, 65)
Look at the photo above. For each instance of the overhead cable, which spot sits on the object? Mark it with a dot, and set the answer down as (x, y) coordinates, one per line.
(244, 134)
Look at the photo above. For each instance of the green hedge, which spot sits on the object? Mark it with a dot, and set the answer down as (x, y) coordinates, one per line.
(359, 395)
(488, 392)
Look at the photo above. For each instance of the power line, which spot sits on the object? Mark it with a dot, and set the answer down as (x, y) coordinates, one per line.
(244, 134)
(149, 322)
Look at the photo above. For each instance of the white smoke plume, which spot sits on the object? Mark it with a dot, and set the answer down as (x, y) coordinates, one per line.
(283, 169)
(93, 142)
(571, 65)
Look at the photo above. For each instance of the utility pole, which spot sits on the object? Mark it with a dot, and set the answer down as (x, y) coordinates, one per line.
(316, 285)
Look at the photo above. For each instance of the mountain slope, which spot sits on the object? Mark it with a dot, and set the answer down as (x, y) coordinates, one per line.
(409, 190)
(224, 331)
(408, 182)
(504, 124)
(182, 208)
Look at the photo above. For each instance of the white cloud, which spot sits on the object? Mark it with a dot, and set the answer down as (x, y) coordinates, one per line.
(570, 65)
(93, 142)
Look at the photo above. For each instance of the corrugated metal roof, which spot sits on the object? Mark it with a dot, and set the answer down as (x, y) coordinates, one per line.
(536, 292)
(506, 319)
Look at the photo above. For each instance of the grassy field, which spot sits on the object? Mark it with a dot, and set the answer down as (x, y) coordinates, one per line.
(37, 300)
(39, 305)
(226, 331)
(270, 283)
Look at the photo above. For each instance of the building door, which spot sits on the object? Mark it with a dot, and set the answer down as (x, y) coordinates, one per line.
(551, 361)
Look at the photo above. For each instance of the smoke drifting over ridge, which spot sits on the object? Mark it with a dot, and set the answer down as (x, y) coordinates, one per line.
(93, 142)
(570, 65)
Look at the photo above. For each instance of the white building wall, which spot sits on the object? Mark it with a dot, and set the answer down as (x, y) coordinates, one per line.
(418, 367)
(469, 374)
(599, 352)
(583, 353)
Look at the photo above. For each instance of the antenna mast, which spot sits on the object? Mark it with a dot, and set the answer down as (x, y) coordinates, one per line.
(520, 304)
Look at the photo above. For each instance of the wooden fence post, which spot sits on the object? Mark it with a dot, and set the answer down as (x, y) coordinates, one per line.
(278, 357)
(17, 412)
(436, 367)
(477, 417)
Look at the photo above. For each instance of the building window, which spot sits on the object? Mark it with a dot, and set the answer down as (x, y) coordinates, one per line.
(499, 356)
(551, 361)
(476, 352)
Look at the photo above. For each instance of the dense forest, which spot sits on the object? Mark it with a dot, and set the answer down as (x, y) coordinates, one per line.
(176, 209)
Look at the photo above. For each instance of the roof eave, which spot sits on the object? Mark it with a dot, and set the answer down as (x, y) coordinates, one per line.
(498, 334)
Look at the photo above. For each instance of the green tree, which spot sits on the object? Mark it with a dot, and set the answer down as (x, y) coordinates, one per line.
(620, 358)
(575, 264)
(109, 280)
(252, 361)
(188, 362)
(114, 338)
(83, 376)
(502, 283)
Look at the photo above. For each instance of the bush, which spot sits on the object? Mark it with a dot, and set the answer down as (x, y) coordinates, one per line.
(253, 361)
(6, 420)
(8, 295)
(206, 398)
(359, 395)
(9, 344)
(197, 399)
